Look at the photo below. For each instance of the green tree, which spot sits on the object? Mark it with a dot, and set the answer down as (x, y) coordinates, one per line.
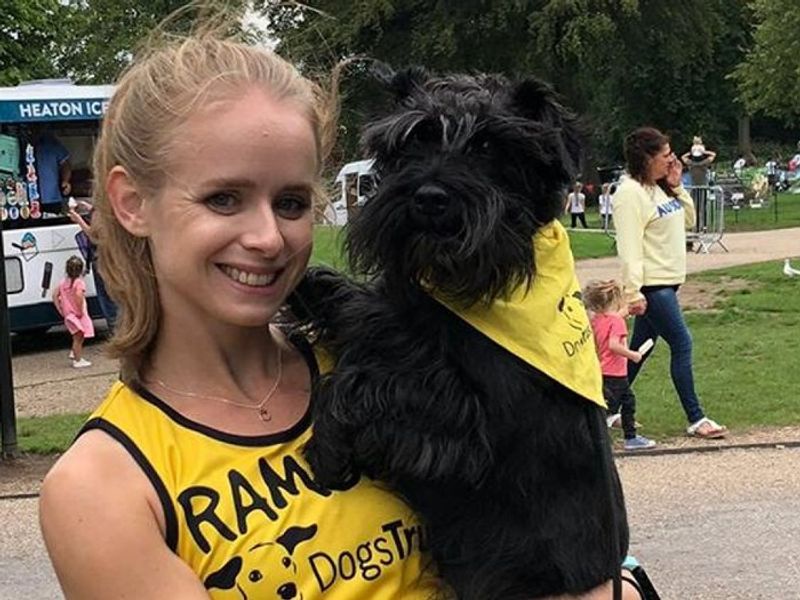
(769, 77)
(28, 40)
(619, 63)
(105, 34)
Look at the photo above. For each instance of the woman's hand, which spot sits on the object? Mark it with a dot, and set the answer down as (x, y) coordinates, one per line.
(674, 173)
(639, 307)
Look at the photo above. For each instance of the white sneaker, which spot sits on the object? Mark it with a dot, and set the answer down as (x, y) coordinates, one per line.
(80, 364)
(71, 355)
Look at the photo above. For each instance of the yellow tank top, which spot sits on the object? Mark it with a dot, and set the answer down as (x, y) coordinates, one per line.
(246, 515)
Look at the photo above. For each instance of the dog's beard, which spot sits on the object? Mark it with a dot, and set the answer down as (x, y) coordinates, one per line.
(480, 249)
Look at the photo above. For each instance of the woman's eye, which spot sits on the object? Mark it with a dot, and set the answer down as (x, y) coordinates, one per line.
(292, 206)
(222, 203)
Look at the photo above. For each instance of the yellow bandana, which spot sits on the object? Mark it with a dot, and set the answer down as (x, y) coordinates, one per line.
(546, 326)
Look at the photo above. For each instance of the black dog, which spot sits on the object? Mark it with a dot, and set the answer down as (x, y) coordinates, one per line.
(510, 470)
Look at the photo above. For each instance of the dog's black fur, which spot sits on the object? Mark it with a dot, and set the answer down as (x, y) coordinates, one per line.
(510, 471)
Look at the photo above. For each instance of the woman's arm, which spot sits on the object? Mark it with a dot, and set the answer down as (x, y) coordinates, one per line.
(80, 297)
(103, 527)
(80, 222)
(629, 224)
(604, 592)
(57, 301)
(690, 216)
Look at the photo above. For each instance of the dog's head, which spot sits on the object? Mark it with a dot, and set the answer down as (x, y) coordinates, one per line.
(469, 168)
(266, 570)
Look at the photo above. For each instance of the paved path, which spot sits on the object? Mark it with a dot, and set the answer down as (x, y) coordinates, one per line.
(749, 247)
(710, 526)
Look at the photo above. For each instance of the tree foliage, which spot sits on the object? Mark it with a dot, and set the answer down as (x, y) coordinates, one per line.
(619, 63)
(28, 40)
(769, 77)
(91, 41)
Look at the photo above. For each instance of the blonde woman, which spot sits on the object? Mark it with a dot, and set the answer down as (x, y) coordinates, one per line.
(189, 481)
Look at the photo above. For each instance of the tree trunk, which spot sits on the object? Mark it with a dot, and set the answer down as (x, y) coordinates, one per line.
(745, 144)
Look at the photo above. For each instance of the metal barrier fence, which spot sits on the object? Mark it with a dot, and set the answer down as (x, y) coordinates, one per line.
(709, 206)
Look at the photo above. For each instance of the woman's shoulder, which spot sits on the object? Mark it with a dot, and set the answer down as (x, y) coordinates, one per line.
(94, 472)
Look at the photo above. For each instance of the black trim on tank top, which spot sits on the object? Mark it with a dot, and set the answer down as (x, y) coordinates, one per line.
(302, 346)
(170, 518)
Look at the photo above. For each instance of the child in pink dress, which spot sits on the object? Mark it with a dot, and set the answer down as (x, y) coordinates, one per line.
(70, 300)
(608, 312)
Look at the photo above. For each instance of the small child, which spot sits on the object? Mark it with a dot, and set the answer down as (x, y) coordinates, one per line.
(70, 300)
(698, 149)
(604, 300)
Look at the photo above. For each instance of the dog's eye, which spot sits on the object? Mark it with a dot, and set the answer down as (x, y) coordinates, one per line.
(255, 576)
(481, 144)
(287, 562)
(425, 133)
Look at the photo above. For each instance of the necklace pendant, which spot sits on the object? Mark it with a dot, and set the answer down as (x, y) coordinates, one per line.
(264, 414)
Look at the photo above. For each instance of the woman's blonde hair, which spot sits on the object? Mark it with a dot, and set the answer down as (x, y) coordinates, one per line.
(167, 81)
(602, 296)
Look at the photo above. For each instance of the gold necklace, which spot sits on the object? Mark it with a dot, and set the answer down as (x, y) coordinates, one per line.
(261, 407)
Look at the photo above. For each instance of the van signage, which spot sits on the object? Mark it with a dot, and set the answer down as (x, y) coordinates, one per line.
(53, 110)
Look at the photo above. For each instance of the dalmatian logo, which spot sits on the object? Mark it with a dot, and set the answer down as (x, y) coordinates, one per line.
(571, 307)
(266, 570)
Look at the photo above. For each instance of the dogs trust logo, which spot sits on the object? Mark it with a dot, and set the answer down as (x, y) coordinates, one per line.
(267, 570)
(572, 309)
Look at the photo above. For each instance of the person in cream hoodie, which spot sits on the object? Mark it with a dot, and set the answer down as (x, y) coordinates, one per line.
(651, 214)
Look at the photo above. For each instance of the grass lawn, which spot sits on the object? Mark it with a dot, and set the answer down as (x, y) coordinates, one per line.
(745, 353)
(775, 215)
(328, 242)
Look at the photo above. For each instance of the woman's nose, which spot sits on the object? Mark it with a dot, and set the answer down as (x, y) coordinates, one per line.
(262, 230)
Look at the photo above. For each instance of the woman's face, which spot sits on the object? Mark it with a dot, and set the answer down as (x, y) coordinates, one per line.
(230, 232)
(658, 164)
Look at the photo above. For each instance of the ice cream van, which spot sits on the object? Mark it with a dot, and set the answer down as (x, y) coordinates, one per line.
(48, 130)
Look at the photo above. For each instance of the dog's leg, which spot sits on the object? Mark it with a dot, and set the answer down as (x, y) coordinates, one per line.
(322, 299)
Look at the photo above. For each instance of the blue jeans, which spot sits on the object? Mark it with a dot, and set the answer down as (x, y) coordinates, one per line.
(663, 318)
(107, 306)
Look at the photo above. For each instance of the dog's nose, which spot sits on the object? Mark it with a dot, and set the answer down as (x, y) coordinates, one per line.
(431, 200)
(287, 591)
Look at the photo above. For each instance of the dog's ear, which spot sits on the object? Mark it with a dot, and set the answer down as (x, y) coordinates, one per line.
(536, 100)
(400, 84)
(294, 535)
(225, 577)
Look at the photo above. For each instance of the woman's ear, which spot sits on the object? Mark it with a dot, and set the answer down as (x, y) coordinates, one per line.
(126, 202)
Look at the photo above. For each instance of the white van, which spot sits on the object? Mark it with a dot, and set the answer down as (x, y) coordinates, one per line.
(357, 182)
(36, 244)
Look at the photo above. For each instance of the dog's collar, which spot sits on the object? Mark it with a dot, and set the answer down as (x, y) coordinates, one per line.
(545, 325)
